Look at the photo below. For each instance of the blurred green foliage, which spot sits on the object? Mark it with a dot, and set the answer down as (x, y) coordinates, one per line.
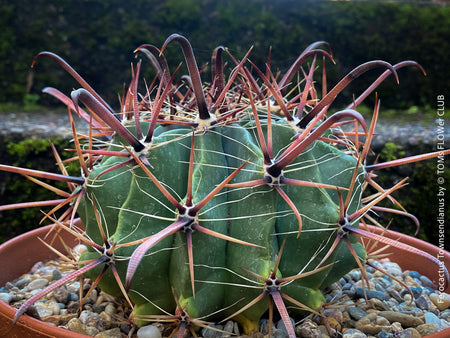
(97, 38)
(418, 198)
(29, 153)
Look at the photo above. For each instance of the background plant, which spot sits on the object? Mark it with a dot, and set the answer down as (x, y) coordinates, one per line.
(105, 30)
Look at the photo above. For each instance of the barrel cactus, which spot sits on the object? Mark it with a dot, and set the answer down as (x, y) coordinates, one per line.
(220, 200)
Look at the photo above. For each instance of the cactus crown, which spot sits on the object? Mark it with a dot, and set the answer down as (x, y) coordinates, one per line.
(217, 201)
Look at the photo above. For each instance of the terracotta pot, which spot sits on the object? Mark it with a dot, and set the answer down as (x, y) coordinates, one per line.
(19, 254)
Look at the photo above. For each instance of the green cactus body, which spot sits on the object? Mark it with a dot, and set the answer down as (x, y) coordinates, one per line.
(252, 219)
(144, 212)
(257, 215)
(209, 253)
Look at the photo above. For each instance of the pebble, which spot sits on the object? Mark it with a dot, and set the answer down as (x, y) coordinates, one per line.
(431, 318)
(334, 324)
(308, 329)
(412, 273)
(325, 334)
(149, 331)
(383, 282)
(416, 291)
(446, 315)
(61, 295)
(442, 300)
(92, 319)
(42, 311)
(394, 294)
(231, 327)
(378, 304)
(427, 282)
(45, 309)
(77, 326)
(423, 303)
(36, 267)
(411, 282)
(409, 333)
(347, 286)
(110, 309)
(367, 324)
(280, 325)
(356, 313)
(5, 297)
(209, 332)
(404, 319)
(353, 333)
(56, 275)
(53, 319)
(22, 282)
(37, 284)
(426, 329)
(355, 275)
(393, 268)
(359, 292)
(113, 333)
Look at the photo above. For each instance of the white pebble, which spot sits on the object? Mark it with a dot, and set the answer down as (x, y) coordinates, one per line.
(5, 297)
(54, 307)
(43, 310)
(78, 250)
(149, 331)
(37, 284)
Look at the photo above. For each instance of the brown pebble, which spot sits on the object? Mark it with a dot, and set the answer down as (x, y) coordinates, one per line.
(404, 319)
(55, 319)
(308, 329)
(382, 321)
(426, 329)
(378, 304)
(77, 326)
(347, 322)
(113, 333)
(411, 282)
(67, 317)
(73, 307)
(370, 324)
(372, 329)
(92, 331)
(106, 319)
(110, 309)
(334, 324)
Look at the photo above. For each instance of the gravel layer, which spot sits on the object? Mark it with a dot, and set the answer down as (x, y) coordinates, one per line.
(391, 311)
